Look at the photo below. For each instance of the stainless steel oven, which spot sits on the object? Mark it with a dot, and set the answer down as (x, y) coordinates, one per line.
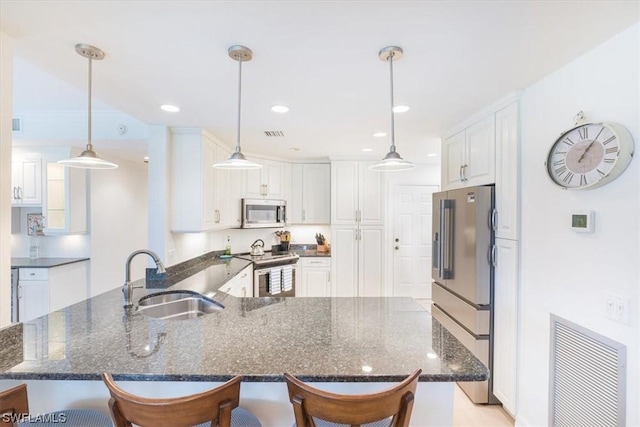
(263, 213)
(275, 281)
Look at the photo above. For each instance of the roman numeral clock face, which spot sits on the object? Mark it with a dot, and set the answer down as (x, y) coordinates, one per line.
(589, 155)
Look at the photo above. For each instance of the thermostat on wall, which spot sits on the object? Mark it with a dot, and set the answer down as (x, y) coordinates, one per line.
(582, 221)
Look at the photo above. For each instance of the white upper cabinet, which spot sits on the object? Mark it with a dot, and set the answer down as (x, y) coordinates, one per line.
(357, 193)
(26, 180)
(200, 194)
(268, 182)
(65, 204)
(311, 194)
(507, 175)
(468, 157)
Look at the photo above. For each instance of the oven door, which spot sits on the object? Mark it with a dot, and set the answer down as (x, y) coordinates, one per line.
(262, 213)
(275, 281)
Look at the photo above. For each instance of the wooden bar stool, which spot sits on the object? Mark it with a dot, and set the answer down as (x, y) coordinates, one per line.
(317, 408)
(14, 405)
(215, 407)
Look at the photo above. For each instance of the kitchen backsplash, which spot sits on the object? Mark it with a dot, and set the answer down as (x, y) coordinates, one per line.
(189, 245)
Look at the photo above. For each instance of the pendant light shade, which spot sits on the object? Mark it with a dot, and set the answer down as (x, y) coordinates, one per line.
(237, 160)
(392, 161)
(89, 159)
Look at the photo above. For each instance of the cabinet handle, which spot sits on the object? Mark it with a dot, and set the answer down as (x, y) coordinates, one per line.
(20, 193)
(358, 215)
(304, 216)
(464, 172)
(494, 219)
(15, 197)
(494, 261)
(460, 173)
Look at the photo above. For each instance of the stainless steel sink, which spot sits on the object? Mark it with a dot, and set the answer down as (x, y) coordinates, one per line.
(177, 305)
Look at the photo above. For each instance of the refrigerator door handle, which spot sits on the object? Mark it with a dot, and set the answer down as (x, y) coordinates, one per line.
(435, 250)
(446, 239)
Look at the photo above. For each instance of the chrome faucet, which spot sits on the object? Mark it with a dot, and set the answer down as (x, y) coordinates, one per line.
(127, 288)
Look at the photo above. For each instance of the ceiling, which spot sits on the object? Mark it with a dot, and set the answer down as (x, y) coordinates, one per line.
(320, 58)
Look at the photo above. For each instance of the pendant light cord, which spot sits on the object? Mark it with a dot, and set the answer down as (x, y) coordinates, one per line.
(393, 136)
(239, 100)
(89, 146)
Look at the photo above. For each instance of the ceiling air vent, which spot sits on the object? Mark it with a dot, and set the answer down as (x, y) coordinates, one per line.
(274, 133)
(16, 125)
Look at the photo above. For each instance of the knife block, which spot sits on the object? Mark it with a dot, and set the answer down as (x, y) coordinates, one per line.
(323, 248)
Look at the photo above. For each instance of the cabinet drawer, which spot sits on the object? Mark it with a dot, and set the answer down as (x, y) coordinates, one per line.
(33, 274)
(315, 262)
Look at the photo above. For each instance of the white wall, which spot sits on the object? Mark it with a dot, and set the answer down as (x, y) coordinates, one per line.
(6, 112)
(118, 224)
(567, 273)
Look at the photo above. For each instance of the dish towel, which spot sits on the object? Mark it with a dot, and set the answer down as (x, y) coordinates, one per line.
(275, 278)
(287, 279)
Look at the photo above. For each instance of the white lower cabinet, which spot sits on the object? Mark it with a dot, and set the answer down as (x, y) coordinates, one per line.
(314, 275)
(241, 285)
(43, 290)
(506, 305)
(357, 267)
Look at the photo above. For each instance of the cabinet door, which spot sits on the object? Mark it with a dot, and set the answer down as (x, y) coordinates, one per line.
(65, 205)
(192, 195)
(506, 321)
(26, 182)
(316, 194)
(295, 206)
(344, 192)
(480, 153)
(344, 262)
(273, 179)
(370, 198)
(370, 262)
(453, 159)
(507, 177)
(317, 282)
(33, 299)
(221, 191)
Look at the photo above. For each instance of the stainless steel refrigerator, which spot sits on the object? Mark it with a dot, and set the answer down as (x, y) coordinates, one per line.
(462, 272)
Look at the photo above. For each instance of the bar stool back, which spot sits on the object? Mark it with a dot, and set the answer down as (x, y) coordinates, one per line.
(215, 407)
(15, 403)
(317, 408)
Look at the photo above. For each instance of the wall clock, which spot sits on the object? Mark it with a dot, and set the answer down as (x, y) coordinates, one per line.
(589, 155)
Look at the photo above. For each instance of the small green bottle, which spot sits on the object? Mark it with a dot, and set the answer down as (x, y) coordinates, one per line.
(227, 249)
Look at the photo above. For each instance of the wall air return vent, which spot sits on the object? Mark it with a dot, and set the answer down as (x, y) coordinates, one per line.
(274, 133)
(587, 377)
(16, 125)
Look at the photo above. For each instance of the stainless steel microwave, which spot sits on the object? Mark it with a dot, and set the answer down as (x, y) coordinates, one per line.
(263, 213)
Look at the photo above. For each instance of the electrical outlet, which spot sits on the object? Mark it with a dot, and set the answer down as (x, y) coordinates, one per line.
(617, 308)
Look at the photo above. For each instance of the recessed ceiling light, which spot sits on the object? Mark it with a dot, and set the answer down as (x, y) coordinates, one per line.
(432, 155)
(380, 134)
(367, 149)
(400, 109)
(279, 108)
(169, 108)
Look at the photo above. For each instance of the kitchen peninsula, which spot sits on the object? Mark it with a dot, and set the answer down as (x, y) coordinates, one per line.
(355, 345)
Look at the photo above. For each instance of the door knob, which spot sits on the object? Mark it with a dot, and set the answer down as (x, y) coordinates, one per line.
(397, 240)
(397, 247)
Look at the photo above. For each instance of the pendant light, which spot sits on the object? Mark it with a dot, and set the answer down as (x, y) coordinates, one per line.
(237, 159)
(89, 159)
(392, 161)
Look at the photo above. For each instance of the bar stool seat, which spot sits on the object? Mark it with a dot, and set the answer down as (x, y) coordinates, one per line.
(318, 408)
(15, 401)
(217, 407)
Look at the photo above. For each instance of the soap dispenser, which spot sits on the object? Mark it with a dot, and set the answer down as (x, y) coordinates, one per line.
(227, 248)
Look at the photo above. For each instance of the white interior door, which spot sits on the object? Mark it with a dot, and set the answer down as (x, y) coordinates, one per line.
(412, 240)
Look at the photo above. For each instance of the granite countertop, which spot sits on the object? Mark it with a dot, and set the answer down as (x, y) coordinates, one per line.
(316, 339)
(43, 262)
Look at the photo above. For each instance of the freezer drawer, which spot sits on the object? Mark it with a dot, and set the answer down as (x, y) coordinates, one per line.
(471, 317)
(478, 391)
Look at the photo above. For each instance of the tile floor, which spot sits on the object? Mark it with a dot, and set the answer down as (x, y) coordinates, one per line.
(468, 414)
